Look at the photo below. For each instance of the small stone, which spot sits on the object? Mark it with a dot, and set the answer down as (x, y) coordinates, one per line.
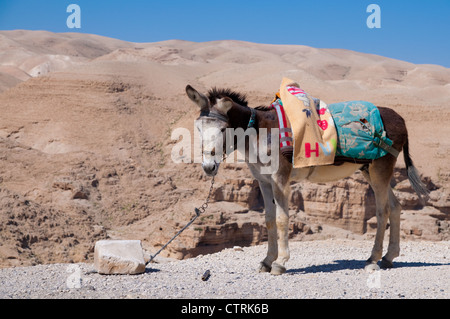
(206, 275)
(119, 257)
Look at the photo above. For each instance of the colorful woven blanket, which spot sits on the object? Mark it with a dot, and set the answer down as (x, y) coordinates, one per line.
(312, 133)
(360, 130)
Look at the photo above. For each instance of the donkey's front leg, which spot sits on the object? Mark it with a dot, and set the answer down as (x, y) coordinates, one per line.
(281, 195)
(270, 214)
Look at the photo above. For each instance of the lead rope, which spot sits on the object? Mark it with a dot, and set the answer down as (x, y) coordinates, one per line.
(198, 212)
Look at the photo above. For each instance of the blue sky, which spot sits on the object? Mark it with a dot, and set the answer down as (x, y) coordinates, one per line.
(411, 30)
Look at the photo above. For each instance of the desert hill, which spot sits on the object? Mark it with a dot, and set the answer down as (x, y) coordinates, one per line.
(85, 143)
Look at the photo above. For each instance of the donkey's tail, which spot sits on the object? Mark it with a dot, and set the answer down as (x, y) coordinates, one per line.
(413, 175)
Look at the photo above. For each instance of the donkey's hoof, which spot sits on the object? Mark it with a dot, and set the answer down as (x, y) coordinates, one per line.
(264, 268)
(385, 264)
(277, 269)
(371, 267)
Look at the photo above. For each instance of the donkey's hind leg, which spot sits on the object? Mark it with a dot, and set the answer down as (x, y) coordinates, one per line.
(394, 234)
(379, 175)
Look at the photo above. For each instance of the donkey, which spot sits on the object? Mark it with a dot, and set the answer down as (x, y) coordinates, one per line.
(224, 108)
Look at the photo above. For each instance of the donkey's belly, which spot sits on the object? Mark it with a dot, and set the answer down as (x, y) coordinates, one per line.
(323, 174)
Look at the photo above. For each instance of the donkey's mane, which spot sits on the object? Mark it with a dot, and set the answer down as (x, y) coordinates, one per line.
(239, 98)
(216, 93)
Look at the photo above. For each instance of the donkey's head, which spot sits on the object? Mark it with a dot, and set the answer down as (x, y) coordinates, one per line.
(211, 124)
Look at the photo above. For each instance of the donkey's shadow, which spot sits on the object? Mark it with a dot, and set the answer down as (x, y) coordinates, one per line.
(355, 264)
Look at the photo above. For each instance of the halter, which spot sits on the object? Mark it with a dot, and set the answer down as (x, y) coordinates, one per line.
(218, 116)
(252, 121)
(223, 118)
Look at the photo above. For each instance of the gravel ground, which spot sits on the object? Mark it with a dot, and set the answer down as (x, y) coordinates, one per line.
(317, 269)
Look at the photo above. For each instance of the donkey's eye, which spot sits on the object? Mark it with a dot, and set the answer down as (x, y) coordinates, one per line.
(223, 130)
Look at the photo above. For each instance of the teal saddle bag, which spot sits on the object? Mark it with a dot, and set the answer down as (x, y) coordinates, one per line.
(360, 131)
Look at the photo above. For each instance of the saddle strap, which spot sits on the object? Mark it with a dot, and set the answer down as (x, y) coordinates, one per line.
(388, 148)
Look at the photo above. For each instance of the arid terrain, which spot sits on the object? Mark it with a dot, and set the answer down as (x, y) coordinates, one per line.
(85, 144)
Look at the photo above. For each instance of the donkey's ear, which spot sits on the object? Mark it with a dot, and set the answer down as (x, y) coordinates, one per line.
(198, 98)
(224, 105)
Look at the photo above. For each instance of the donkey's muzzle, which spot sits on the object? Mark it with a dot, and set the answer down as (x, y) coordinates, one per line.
(210, 168)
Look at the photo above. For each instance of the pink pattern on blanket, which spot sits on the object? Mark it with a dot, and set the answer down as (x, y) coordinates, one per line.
(285, 139)
(296, 91)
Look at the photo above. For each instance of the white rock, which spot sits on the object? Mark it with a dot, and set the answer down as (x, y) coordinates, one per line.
(119, 257)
